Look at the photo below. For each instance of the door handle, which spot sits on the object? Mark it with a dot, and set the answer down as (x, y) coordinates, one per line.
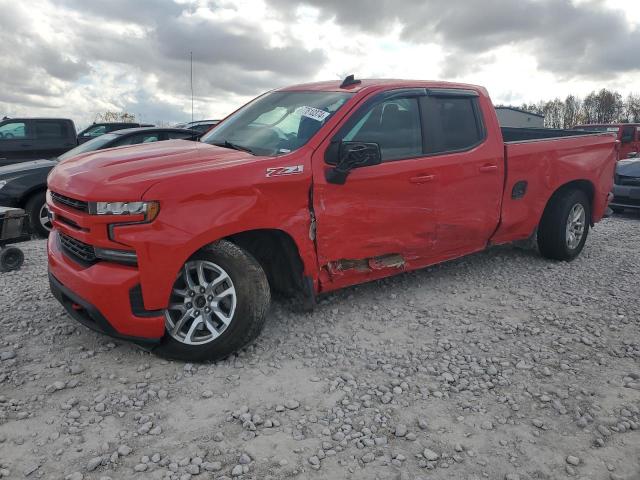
(488, 168)
(422, 178)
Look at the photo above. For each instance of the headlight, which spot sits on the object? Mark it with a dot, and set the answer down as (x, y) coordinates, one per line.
(148, 209)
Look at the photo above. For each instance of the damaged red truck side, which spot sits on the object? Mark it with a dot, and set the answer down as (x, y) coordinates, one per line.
(179, 245)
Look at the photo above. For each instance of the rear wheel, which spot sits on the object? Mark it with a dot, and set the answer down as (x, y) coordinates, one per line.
(218, 304)
(565, 224)
(38, 213)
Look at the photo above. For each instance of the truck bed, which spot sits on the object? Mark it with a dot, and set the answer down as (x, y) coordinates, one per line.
(518, 134)
(542, 165)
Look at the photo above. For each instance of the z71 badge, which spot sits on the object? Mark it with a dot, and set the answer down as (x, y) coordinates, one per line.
(280, 171)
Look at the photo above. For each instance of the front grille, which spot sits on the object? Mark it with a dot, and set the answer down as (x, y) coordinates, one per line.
(77, 249)
(628, 181)
(70, 202)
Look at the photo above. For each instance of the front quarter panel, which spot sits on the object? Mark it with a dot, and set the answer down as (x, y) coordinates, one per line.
(197, 209)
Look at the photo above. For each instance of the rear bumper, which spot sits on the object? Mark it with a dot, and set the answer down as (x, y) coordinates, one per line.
(105, 297)
(626, 196)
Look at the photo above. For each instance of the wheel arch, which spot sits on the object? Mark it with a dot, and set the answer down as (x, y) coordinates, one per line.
(279, 256)
(27, 194)
(583, 185)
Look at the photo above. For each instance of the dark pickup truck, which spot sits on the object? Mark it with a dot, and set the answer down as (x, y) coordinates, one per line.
(23, 139)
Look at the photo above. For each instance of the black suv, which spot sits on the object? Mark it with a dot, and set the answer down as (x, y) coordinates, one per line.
(23, 139)
(96, 129)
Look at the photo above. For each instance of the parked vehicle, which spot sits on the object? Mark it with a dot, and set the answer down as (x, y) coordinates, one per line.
(199, 125)
(96, 129)
(627, 133)
(24, 185)
(626, 188)
(306, 190)
(24, 139)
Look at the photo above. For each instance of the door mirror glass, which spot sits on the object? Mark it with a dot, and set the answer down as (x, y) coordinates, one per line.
(627, 138)
(353, 155)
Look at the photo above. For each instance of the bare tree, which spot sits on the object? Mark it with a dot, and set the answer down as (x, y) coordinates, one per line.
(110, 116)
(604, 106)
(632, 108)
(572, 112)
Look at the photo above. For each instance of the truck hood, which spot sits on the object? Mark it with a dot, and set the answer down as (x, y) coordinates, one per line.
(628, 168)
(125, 173)
(22, 167)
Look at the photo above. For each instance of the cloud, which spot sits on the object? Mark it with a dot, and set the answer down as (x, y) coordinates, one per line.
(149, 45)
(566, 38)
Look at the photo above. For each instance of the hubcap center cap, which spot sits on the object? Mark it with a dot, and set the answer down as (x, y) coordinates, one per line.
(200, 301)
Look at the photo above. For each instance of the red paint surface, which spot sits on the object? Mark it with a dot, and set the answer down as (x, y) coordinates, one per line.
(426, 209)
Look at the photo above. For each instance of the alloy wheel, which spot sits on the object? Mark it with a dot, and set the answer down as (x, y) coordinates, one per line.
(575, 226)
(203, 302)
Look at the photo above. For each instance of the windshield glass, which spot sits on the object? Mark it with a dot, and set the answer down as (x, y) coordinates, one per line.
(91, 145)
(278, 122)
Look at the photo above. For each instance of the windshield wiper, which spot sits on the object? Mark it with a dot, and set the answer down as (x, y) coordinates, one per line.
(228, 144)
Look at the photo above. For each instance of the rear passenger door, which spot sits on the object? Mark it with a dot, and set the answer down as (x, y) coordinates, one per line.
(468, 168)
(52, 138)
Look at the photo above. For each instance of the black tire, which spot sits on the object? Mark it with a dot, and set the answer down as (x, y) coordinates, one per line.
(33, 207)
(253, 300)
(552, 231)
(11, 258)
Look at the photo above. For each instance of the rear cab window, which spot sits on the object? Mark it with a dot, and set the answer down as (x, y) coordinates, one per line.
(51, 130)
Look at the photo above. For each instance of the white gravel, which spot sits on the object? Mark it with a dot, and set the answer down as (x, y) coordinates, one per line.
(500, 366)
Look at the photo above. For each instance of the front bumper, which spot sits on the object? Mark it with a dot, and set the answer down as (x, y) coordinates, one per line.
(105, 297)
(626, 196)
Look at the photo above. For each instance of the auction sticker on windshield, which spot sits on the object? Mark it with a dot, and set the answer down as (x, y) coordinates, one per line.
(311, 112)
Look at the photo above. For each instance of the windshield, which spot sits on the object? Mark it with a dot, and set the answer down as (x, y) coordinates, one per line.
(90, 146)
(278, 122)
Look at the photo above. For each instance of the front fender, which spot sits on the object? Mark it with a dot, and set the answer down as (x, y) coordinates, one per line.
(187, 223)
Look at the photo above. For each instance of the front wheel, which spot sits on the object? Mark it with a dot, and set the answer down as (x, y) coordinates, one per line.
(564, 226)
(38, 213)
(218, 304)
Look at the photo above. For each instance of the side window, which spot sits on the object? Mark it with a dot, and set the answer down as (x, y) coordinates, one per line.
(12, 130)
(50, 130)
(140, 138)
(451, 123)
(179, 135)
(394, 125)
(95, 131)
(627, 133)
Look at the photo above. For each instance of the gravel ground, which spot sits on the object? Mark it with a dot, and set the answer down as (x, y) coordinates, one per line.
(501, 365)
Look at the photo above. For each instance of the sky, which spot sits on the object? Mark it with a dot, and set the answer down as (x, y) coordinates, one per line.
(77, 58)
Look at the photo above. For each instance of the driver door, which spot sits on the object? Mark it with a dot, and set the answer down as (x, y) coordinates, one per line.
(384, 215)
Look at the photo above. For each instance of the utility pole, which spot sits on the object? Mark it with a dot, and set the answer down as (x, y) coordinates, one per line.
(191, 78)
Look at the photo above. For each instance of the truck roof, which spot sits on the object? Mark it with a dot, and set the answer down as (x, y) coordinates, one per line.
(22, 119)
(334, 85)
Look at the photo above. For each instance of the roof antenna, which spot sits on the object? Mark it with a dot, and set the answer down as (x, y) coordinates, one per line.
(349, 80)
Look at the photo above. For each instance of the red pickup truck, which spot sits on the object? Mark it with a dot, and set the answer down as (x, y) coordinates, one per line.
(178, 245)
(627, 133)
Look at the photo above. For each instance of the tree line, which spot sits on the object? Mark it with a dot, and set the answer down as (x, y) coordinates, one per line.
(605, 106)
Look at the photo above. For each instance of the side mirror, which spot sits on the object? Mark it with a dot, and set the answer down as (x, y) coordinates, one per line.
(353, 155)
(627, 138)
